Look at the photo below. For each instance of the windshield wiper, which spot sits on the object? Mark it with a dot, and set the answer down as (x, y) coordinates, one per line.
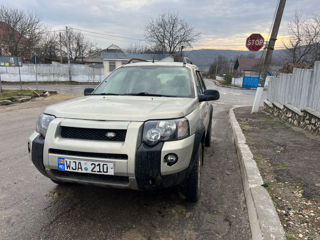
(133, 94)
(116, 94)
(146, 94)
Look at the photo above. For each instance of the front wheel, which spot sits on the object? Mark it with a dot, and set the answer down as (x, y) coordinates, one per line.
(192, 185)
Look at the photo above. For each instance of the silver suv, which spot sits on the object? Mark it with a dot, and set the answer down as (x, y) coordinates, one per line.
(144, 127)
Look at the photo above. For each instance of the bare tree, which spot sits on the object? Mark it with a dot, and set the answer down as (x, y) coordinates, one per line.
(137, 48)
(21, 32)
(79, 46)
(169, 32)
(220, 65)
(48, 47)
(303, 46)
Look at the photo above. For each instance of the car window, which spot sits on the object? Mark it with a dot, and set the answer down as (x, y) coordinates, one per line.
(201, 81)
(200, 87)
(157, 80)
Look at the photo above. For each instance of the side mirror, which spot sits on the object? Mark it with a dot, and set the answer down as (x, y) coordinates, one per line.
(88, 91)
(209, 95)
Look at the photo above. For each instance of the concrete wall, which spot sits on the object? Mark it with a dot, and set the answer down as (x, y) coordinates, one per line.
(52, 72)
(300, 89)
(219, 78)
(237, 82)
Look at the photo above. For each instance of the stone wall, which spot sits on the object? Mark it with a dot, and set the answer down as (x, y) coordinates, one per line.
(307, 118)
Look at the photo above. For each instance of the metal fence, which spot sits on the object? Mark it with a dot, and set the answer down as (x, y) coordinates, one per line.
(300, 89)
(52, 72)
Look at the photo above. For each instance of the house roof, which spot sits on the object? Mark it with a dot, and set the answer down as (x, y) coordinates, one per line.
(246, 64)
(113, 55)
(114, 47)
(5, 28)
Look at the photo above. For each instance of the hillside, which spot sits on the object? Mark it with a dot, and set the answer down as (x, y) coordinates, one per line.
(204, 57)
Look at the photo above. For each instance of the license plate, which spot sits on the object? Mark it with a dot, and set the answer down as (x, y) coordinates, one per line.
(68, 165)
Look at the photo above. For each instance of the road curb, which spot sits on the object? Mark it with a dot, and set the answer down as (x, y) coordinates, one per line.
(264, 220)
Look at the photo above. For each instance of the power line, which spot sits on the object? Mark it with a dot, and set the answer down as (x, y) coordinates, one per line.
(108, 34)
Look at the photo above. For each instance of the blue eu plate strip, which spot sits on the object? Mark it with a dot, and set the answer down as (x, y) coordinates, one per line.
(61, 165)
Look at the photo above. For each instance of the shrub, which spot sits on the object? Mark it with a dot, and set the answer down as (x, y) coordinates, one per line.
(228, 79)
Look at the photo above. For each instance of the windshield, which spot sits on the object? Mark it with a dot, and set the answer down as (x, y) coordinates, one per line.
(148, 81)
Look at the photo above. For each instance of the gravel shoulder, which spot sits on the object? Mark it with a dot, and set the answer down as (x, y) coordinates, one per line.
(288, 160)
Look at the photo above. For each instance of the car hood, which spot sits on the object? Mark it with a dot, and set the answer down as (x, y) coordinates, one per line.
(123, 108)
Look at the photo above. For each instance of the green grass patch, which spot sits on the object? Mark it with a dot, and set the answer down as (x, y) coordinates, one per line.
(289, 236)
(245, 126)
(280, 167)
(265, 119)
(269, 185)
(275, 204)
(258, 157)
(11, 94)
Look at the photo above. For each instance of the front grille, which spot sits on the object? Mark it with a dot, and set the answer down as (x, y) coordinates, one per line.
(94, 134)
(91, 177)
(89, 154)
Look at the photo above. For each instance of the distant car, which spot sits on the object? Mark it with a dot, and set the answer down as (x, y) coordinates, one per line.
(144, 127)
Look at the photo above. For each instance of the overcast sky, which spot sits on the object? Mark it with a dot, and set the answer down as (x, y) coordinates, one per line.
(223, 24)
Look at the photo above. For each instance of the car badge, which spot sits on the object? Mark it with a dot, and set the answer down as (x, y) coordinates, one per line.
(110, 134)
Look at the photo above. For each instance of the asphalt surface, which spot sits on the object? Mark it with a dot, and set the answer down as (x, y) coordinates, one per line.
(33, 207)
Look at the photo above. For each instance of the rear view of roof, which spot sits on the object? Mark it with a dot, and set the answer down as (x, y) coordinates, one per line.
(246, 64)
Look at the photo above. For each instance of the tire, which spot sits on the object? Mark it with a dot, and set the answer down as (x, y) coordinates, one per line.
(192, 185)
(207, 141)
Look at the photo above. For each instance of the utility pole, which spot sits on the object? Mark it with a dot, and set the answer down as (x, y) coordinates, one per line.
(68, 50)
(268, 56)
(60, 46)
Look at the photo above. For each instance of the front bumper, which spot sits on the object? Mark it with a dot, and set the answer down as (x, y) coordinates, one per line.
(143, 169)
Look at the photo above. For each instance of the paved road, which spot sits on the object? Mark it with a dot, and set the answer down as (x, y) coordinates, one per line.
(32, 207)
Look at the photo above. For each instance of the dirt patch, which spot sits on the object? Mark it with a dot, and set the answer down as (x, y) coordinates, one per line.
(289, 162)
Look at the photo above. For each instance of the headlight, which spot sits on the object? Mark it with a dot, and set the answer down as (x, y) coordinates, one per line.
(165, 130)
(43, 123)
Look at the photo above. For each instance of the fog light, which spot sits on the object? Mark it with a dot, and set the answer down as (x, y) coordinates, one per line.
(171, 159)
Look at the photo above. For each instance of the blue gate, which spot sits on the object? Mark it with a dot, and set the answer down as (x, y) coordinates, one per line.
(250, 82)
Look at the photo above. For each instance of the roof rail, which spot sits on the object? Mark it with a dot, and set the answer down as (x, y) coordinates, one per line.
(137, 59)
(186, 60)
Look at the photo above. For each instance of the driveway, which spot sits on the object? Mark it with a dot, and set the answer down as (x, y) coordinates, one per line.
(33, 207)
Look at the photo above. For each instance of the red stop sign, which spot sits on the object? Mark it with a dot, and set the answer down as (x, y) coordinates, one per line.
(255, 42)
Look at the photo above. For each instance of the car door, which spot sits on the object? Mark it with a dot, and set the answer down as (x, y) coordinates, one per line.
(204, 106)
